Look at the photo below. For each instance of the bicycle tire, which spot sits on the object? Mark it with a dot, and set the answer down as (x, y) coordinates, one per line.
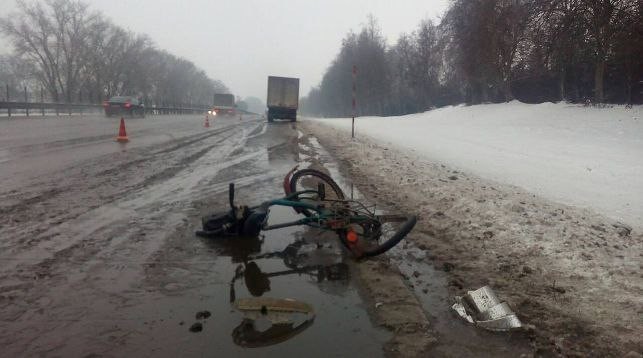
(380, 248)
(326, 179)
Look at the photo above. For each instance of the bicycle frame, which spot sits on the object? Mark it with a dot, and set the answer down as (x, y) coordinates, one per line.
(323, 214)
(358, 227)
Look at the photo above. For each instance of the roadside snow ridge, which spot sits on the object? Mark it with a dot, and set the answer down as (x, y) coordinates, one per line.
(582, 156)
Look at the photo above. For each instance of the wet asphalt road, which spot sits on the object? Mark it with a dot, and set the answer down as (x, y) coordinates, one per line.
(98, 255)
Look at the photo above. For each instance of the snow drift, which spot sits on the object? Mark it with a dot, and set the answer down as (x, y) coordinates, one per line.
(583, 156)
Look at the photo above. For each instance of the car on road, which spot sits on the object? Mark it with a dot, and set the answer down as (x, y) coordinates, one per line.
(224, 105)
(124, 105)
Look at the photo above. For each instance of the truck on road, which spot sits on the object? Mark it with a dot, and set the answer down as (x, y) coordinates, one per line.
(224, 105)
(283, 98)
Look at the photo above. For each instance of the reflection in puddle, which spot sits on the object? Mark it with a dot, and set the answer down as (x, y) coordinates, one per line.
(257, 282)
(247, 334)
(239, 249)
(269, 321)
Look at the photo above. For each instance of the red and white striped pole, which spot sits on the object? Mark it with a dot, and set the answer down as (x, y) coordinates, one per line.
(354, 102)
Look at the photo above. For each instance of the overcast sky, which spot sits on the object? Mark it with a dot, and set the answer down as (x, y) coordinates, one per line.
(241, 42)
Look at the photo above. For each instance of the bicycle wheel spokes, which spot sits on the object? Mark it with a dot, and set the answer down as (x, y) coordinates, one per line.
(378, 234)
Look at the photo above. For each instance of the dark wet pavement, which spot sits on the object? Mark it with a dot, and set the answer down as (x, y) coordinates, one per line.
(99, 256)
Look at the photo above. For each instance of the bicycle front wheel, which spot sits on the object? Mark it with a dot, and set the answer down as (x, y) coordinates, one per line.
(377, 235)
(309, 179)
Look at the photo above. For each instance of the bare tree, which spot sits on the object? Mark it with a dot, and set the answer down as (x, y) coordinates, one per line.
(603, 19)
(493, 51)
(52, 36)
(426, 64)
(628, 50)
(71, 49)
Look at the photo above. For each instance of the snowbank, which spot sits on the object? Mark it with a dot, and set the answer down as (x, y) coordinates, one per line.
(582, 156)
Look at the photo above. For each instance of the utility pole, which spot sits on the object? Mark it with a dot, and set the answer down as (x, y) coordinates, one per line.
(354, 101)
(26, 100)
(9, 104)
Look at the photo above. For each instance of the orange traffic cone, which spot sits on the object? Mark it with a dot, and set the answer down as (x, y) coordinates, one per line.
(122, 135)
(207, 122)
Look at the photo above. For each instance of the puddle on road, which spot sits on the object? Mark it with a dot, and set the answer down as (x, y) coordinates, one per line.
(307, 266)
(292, 263)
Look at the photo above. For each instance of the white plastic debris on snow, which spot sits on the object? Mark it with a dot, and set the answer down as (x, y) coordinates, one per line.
(483, 308)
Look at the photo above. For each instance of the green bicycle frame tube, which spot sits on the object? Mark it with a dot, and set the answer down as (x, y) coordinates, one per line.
(322, 214)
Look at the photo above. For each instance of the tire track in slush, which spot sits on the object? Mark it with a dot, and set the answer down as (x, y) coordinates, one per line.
(107, 266)
(88, 254)
(107, 212)
(165, 188)
(87, 188)
(81, 263)
(24, 204)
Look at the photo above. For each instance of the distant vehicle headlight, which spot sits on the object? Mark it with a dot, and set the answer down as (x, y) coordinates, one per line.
(214, 113)
(209, 112)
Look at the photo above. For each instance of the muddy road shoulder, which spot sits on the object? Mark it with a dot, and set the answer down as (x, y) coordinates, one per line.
(569, 273)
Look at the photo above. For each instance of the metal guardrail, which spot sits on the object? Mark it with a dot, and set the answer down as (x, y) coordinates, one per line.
(68, 108)
(43, 108)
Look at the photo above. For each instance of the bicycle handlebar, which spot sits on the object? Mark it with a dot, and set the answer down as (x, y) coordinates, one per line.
(231, 195)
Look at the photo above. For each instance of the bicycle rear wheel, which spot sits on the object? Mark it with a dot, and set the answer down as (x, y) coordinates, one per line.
(309, 179)
(377, 235)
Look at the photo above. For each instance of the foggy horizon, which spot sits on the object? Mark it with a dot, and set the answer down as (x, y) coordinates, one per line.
(263, 38)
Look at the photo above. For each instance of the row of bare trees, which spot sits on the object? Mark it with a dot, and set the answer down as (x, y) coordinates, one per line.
(492, 51)
(69, 50)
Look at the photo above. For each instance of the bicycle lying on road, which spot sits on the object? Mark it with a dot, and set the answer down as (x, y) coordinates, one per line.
(323, 205)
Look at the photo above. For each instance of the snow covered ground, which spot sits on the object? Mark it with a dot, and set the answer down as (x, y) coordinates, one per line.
(582, 156)
(571, 272)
